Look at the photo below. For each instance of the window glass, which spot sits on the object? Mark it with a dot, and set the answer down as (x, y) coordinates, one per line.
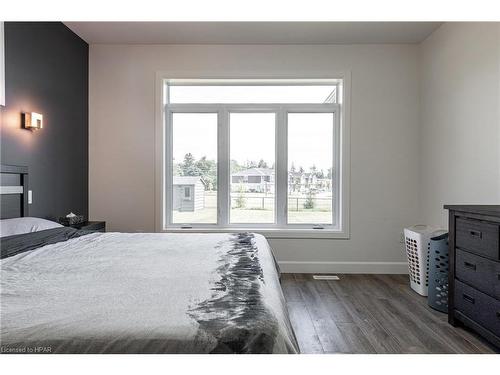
(194, 168)
(310, 168)
(253, 94)
(252, 154)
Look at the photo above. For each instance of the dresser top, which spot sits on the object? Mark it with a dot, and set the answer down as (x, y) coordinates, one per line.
(475, 209)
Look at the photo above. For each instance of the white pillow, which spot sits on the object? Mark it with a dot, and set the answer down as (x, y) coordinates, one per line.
(20, 225)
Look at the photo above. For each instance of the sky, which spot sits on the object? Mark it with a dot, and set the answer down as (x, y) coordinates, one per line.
(252, 137)
(250, 94)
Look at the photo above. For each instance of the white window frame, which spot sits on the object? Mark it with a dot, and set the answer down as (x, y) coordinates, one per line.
(280, 229)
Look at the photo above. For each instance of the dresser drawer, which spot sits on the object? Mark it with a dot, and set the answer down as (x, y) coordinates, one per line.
(478, 237)
(483, 309)
(479, 272)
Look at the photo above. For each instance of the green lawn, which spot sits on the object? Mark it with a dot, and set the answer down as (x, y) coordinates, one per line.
(258, 209)
(209, 216)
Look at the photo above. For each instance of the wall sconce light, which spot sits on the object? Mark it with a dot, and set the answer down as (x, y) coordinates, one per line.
(32, 120)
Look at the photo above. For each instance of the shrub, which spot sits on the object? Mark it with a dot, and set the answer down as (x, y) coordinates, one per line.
(309, 203)
(241, 201)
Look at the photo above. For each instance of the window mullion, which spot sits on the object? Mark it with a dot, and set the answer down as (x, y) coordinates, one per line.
(337, 171)
(168, 179)
(223, 168)
(281, 168)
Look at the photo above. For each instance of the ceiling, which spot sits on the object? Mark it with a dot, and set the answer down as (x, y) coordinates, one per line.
(253, 32)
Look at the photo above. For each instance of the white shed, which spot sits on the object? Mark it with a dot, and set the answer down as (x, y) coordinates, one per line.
(188, 193)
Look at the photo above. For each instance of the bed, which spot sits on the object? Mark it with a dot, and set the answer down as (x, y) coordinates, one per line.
(70, 291)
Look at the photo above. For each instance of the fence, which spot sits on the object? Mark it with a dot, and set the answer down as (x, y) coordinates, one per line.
(260, 202)
(267, 203)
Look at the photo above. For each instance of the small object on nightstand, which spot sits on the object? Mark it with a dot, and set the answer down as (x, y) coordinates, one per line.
(71, 219)
(94, 226)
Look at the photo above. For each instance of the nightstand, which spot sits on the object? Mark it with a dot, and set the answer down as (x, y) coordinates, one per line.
(95, 226)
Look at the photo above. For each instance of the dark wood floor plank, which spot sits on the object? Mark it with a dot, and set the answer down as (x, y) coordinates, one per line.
(304, 329)
(333, 303)
(433, 322)
(329, 335)
(373, 302)
(356, 339)
(289, 287)
(404, 336)
(415, 316)
(305, 332)
(375, 333)
(370, 314)
(464, 341)
(431, 340)
(360, 289)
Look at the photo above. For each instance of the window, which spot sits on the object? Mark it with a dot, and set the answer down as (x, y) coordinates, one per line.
(311, 169)
(252, 154)
(187, 193)
(254, 179)
(194, 163)
(263, 154)
(252, 91)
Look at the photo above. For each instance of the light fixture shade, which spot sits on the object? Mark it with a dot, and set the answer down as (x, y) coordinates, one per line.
(32, 120)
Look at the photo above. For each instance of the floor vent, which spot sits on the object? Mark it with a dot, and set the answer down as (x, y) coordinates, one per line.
(326, 277)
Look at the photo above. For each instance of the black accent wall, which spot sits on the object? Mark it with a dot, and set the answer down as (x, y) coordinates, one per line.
(46, 71)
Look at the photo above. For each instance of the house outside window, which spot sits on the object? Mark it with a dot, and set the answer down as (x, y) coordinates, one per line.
(264, 155)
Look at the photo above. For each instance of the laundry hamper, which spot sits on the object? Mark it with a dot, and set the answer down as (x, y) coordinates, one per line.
(417, 243)
(438, 273)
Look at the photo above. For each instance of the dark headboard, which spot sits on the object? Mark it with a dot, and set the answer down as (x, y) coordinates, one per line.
(13, 191)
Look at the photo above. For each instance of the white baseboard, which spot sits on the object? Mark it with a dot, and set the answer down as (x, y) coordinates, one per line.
(344, 267)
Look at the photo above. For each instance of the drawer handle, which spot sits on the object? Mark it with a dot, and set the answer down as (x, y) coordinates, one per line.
(470, 265)
(475, 233)
(468, 298)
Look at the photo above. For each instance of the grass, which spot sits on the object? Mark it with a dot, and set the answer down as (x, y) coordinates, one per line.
(209, 216)
(258, 210)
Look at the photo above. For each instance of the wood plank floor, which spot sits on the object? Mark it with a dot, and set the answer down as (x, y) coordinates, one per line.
(370, 314)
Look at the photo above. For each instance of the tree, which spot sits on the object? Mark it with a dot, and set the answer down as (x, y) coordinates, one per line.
(262, 164)
(313, 170)
(250, 164)
(207, 169)
(188, 167)
(235, 166)
(177, 169)
(204, 168)
(301, 170)
(292, 168)
(320, 174)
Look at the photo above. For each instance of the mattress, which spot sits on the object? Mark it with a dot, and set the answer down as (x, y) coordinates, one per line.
(68, 291)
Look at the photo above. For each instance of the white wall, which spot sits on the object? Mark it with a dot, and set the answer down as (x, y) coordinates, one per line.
(460, 118)
(384, 138)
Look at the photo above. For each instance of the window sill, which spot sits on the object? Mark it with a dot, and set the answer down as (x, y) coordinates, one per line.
(269, 232)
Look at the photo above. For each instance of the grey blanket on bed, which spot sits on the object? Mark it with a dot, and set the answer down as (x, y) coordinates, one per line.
(142, 293)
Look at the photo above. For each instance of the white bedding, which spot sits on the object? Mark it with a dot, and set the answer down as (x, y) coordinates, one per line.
(142, 293)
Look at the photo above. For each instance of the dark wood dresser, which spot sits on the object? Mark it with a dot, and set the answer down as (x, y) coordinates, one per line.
(474, 277)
